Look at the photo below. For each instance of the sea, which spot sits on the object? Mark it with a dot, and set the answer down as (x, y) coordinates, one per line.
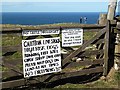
(41, 18)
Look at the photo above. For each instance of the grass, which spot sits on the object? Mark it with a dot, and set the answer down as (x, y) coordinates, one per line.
(95, 84)
(88, 35)
(42, 26)
(117, 76)
(10, 40)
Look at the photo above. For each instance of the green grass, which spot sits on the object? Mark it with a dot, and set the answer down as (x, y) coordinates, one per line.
(100, 83)
(41, 26)
(16, 55)
(95, 84)
(117, 76)
(10, 40)
(3, 68)
(88, 35)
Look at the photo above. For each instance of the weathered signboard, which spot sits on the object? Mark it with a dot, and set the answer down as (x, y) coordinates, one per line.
(72, 37)
(41, 56)
(40, 32)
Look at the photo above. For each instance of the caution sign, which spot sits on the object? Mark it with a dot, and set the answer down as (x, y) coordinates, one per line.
(41, 56)
(72, 37)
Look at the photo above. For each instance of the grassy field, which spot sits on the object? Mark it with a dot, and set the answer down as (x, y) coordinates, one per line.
(13, 40)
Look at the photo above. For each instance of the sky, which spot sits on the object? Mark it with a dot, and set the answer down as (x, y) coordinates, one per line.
(55, 0)
(54, 6)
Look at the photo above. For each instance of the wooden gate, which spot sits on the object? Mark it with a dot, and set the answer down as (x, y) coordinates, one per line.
(94, 55)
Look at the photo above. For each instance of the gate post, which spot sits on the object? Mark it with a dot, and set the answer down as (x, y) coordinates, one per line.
(111, 9)
(102, 19)
(106, 49)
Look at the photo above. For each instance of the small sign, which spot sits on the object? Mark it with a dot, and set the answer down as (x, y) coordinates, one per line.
(40, 32)
(72, 37)
(41, 56)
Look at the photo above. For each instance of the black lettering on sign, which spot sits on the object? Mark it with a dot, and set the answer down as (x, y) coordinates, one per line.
(57, 55)
(32, 43)
(55, 41)
(55, 60)
(30, 64)
(49, 56)
(46, 41)
(39, 58)
(27, 74)
(44, 52)
(32, 54)
(31, 49)
(48, 61)
(25, 32)
(53, 64)
(43, 66)
(37, 67)
(29, 69)
(41, 62)
(28, 60)
(52, 47)
(53, 51)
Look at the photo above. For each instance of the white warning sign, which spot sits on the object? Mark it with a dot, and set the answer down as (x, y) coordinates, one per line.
(41, 56)
(40, 32)
(72, 37)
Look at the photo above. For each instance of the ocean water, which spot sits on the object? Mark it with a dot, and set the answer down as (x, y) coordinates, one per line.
(40, 18)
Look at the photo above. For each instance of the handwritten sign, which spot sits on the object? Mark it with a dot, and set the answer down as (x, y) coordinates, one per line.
(41, 56)
(40, 32)
(72, 37)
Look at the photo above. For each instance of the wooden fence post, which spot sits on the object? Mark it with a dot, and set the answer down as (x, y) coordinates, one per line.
(102, 19)
(111, 9)
(106, 49)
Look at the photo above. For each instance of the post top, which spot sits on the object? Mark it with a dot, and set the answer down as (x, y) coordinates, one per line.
(112, 2)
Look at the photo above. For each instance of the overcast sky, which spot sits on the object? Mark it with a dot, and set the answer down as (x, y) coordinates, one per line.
(54, 6)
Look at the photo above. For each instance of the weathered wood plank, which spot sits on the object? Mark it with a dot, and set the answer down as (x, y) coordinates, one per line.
(71, 65)
(84, 53)
(31, 37)
(6, 49)
(10, 73)
(106, 49)
(11, 29)
(111, 9)
(102, 19)
(117, 31)
(77, 73)
(12, 67)
(14, 83)
(85, 63)
(89, 53)
(14, 62)
(20, 82)
(91, 30)
(101, 32)
(100, 41)
(89, 26)
(118, 26)
(113, 22)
